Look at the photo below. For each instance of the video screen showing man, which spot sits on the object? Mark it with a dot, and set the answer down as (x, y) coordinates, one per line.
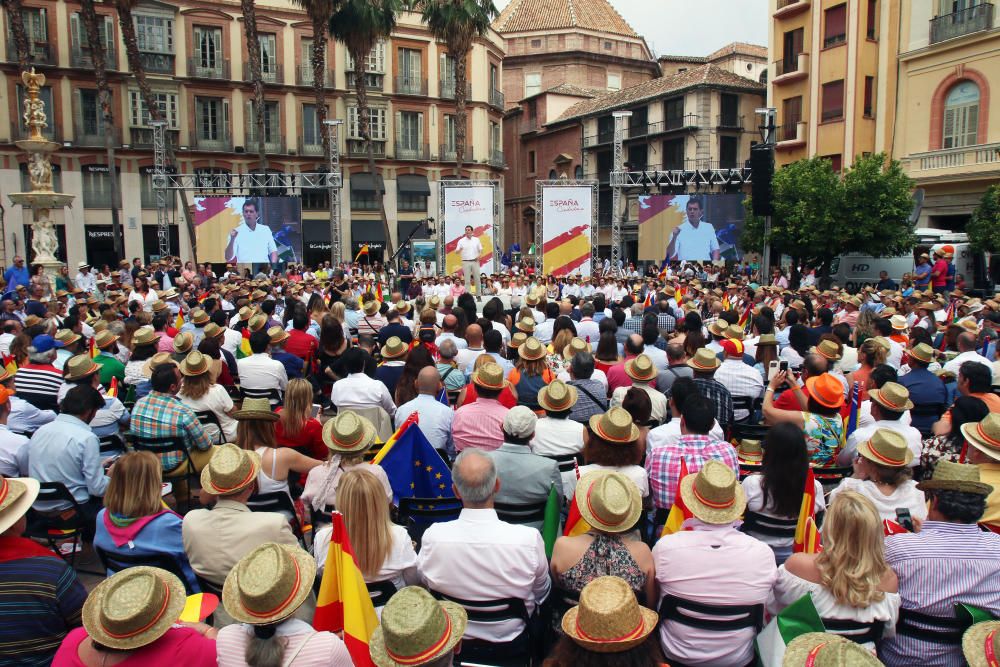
(694, 240)
(252, 241)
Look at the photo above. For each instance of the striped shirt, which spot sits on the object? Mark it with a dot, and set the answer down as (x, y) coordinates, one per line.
(40, 601)
(39, 384)
(309, 648)
(943, 564)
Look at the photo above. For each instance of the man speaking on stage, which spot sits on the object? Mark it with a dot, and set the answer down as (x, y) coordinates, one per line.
(694, 240)
(252, 242)
(470, 250)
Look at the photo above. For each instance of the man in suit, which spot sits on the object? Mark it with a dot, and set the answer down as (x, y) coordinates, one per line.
(526, 477)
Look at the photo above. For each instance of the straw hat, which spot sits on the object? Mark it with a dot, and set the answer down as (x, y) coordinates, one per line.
(16, 497)
(767, 339)
(928, 305)
(979, 641)
(489, 376)
(168, 294)
(886, 448)
(434, 302)
(615, 425)
(32, 321)
(105, 339)
(527, 325)
(258, 295)
(133, 608)
(704, 360)
(898, 322)
(713, 495)
(733, 332)
(609, 501)
(348, 433)
(557, 396)
(718, 328)
(269, 584)
(402, 307)
(416, 629)
(961, 477)
(67, 336)
(99, 326)
(394, 348)
(517, 340)
(145, 336)
(984, 435)
(245, 313)
(826, 390)
(641, 369)
(213, 330)
(277, 335)
(608, 618)
(157, 359)
(750, 450)
(199, 316)
(183, 342)
(257, 323)
(892, 396)
(371, 308)
(255, 409)
(230, 470)
(531, 349)
(828, 350)
(194, 364)
(818, 649)
(576, 344)
(159, 306)
(79, 367)
(922, 352)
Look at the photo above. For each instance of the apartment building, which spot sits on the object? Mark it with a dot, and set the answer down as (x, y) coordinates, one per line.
(195, 56)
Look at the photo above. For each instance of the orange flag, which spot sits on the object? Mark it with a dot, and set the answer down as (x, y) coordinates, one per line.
(343, 603)
(679, 512)
(805, 530)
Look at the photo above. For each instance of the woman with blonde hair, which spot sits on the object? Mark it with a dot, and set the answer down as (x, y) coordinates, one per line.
(200, 392)
(849, 579)
(256, 433)
(296, 427)
(134, 521)
(383, 550)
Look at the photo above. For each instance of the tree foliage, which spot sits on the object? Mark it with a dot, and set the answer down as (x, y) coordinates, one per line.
(984, 227)
(819, 215)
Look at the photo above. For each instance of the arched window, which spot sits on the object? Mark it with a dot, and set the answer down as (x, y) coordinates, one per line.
(961, 116)
(553, 176)
(578, 172)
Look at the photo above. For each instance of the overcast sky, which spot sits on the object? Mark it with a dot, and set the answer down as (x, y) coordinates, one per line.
(692, 27)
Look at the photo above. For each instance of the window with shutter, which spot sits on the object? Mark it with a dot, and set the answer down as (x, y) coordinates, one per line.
(961, 116)
(208, 48)
(833, 100)
(532, 84)
(835, 29)
(869, 103)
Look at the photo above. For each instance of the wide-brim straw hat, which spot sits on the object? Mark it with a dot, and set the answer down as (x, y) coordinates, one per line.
(145, 336)
(557, 396)
(168, 294)
(416, 629)
(213, 330)
(608, 619)
(527, 325)
(976, 640)
(576, 345)
(984, 435)
(402, 307)
(16, 497)
(277, 335)
(394, 348)
(704, 360)
(531, 350)
(79, 367)
(922, 352)
(608, 501)
(230, 470)
(199, 316)
(67, 336)
(133, 608)
(713, 495)
(489, 376)
(892, 396)
(961, 477)
(257, 323)
(898, 322)
(269, 584)
(371, 307)
(641, 369)
(828, 350)
(105, 339)
(767, 339)
(718, 328)
(819, 649)
(826, 390)
(886, 448)
(183, 342)
(750, 450)
(733, 332)
(157, 359)
(256, 409)
(195, 363)
(349, 433)
(615, 426)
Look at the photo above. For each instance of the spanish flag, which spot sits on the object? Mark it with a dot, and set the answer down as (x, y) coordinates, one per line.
(179, 322)
(575, 525)
(806, 534)
(9, 364)
(93, 348)
(343, 603)
(363, 251)
(378, 291)
(725, 302)
(679, 512)
(746, 315)
(113, 388)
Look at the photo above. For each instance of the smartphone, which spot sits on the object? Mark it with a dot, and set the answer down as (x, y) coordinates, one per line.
(772, 370)
(316, 410)
(783, 366)
(904, 519)
(108, 462)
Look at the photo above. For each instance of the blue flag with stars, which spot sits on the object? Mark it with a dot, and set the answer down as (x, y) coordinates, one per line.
(415, 469)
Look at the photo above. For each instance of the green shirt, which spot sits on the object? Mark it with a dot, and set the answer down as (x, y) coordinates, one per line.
(110, 368)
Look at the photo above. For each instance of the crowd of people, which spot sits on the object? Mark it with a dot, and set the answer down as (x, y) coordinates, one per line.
(157, 407)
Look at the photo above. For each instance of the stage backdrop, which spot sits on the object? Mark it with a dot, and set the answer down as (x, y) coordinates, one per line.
(721, 218)
(215, 217)
(567, 211)
(468, 206)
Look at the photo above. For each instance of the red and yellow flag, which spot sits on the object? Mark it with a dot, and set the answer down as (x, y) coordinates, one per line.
(679, 512)
(179, 322)
(198, 607)
(746, 315)
(575, 525)
(343, 603)
(378, 291)
(364, 251)
(113, 388)
(806, 534)
(92, 349)
(9, 364)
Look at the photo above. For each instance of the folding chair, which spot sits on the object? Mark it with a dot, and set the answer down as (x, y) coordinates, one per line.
(830, 477)
(717, 618)
(280, 502)
(207, 418)
(521, 513)
(58, 525)
(111, 444)
(170, 445)
(515, 652)
(116, 562)
(417, 514)
(272, 395)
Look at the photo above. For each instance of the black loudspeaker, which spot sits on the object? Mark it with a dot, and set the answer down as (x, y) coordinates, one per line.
(762, 169)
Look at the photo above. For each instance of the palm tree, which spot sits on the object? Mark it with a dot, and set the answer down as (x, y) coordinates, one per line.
(457, 23)
(88, 18)
(256, 77)
(360, 25)
(320, 12)
(16, 20)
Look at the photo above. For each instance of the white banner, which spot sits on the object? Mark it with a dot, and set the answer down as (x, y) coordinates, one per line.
(468, 206)
(566, 239)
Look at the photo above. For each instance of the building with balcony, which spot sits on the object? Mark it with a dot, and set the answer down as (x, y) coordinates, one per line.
(947, 133)
(196, 60)
(833, 77)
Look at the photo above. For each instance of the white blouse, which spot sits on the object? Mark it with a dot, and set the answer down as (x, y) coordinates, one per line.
(755, 503)
(218, 401)
(905, 495)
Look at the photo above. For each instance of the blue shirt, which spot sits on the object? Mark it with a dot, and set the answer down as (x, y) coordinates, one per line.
(925, 389)
(67, 451)
(15, 276)
(435, 420)
(923, 275)
(293, 365)
(162, 535)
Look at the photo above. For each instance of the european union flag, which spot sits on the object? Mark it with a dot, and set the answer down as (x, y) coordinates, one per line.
(415, 469)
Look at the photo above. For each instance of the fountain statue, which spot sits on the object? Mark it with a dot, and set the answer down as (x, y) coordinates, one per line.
(42, 199)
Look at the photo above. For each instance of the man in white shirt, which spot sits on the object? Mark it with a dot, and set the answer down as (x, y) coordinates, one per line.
(888, 405)
(252, 241)
(587, 329)
(695, 239)
(480, 557)
(470, 249)
(434, 416)
(968, 350)
(84, 279)
(739, 378)
(467, 355)
(448, 325)
(259, 371)
(357, 390)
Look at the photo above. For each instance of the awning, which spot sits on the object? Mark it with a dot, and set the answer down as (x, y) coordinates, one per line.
(364, 182)
(414, 184)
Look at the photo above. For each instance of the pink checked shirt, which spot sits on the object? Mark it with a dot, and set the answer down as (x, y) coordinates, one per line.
(479, 425)
(664, 463)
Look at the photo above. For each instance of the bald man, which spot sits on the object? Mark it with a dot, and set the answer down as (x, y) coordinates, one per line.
(435, 415)
(448, 326)
(968, 350)
(467, 357)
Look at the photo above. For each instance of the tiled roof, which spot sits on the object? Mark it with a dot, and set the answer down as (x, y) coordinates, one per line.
(739, 48)
(684, 59)
(538, 15)
(706, 75)
(574, 91)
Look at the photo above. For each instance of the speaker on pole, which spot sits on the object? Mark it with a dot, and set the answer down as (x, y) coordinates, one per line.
(762, 170)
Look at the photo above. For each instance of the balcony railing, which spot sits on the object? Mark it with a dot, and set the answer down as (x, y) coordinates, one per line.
(357, 148)
(311, 145)
(304, 77)
(833, 114)
(410, 85)
(91, 136)
(790, 7)
(373, 81)
(686, 121)
(81, 56)
(496, 159)
(726, 121)
(599, 139)
(967, 21)
(221, 142)
(951, 158)
(448, 89)
(271, 76)
(496, 99)
(198, 69)
(157, 63)
(791, 134)
(408, 151)
(275, 145)
(142, 137)
(833, 40)
(636, 130)
(38, 54)
(449, 153)
(792, 67)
